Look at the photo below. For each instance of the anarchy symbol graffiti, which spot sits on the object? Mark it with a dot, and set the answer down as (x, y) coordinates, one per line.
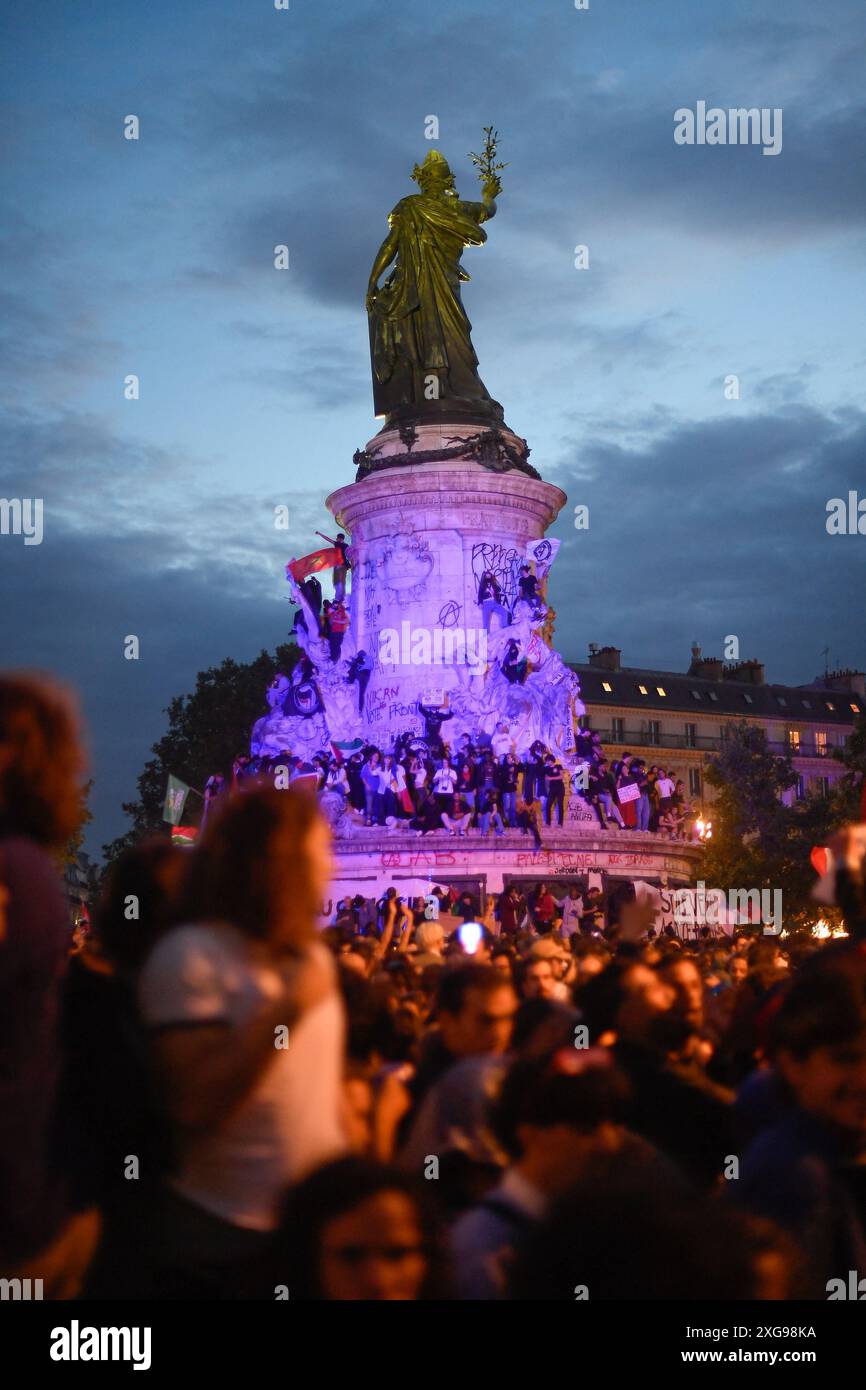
(542, 551)
(449, 614)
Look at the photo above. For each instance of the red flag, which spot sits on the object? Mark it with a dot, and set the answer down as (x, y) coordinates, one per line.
(311, 564)
(183, 834)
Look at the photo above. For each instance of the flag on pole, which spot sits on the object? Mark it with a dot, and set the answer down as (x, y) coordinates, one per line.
(184, 834)
(176, 794)
(311, 564)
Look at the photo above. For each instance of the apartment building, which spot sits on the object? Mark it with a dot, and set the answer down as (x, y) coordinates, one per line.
(681, 719)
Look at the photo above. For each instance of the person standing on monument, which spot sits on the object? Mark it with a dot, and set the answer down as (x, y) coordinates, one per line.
(339, 572)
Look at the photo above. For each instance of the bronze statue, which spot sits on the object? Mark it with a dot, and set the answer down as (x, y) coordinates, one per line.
(424, 364)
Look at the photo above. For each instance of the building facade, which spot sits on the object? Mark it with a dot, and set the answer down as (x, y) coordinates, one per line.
(680, 720)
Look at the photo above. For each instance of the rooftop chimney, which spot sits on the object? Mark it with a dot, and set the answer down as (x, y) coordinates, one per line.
(607, 658)
(852, 681)
(749, 672)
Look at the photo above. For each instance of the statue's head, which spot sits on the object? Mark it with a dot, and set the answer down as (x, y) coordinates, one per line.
(434, 175)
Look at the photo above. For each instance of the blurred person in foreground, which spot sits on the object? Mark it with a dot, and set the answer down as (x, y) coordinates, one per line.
(805, 1171)
(553, 1114)
(356, 1230)
(247, 1032)
(630, 1008)
(41, 767)
(110, 1115)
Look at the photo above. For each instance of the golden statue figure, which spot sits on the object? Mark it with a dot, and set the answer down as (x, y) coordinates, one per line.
(421, 349)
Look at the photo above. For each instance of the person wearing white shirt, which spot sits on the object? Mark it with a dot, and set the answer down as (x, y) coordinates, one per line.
(247, 1031)
(572, 908)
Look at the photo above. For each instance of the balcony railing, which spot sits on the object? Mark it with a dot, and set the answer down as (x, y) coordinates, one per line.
(700, 743)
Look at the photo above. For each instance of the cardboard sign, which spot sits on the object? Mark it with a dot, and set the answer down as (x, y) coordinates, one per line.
(630, 792)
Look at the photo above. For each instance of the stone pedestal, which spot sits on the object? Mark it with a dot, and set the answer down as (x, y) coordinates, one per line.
(422, 536)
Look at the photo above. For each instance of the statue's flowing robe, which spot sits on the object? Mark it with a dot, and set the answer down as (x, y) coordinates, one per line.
(419, 327)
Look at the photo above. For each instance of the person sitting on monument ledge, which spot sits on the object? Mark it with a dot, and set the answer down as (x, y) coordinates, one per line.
(528, 589)
(490, 813)
(528, 817)
(458, 817)
(427, 817)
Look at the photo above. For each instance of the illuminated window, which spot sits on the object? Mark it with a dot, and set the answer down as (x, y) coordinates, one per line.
(830, 705)
(821, 743)
(606, 685)
(661, 690)
(643, 690)
(855, 708)
(794, 740)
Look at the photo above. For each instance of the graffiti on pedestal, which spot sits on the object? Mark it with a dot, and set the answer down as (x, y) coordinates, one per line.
(438, 859)
(502, 561)
(407, 564)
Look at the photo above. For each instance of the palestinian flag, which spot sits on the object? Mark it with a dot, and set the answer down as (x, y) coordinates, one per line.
(345, 745)
(184, 834)
(176, 794)
(311, 564)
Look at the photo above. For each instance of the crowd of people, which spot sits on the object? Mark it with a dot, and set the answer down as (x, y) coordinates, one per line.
(217, 1098)
(483, 787)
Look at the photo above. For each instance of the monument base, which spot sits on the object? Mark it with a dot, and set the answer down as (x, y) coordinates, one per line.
(375, 859)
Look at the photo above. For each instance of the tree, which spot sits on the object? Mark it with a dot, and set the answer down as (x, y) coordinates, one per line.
(758, 841)
(206, 731)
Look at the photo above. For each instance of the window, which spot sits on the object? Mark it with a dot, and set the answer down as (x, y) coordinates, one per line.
(617, 731)
(830, 705)
(792, 737)
(801, 788)
(855, 708)
(694, 781)
(821, 743)
(607, 687)
(823, 785)
(780, 699)
(807, 704)
(748, 699)
(654, 731)
(713, 696)
(643, 690)
(696, 694)
(661, 690)
(691, 736)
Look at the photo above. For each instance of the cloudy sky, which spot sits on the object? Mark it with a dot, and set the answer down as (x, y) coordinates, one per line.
(259, 127)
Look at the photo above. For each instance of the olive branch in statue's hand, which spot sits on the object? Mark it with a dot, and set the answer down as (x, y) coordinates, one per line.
(485, 163)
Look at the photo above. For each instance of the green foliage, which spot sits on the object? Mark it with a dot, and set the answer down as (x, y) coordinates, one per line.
(69, 854)
(757, 841)
(206, 732)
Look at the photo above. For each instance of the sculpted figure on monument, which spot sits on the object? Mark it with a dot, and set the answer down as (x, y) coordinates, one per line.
(420, 335)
